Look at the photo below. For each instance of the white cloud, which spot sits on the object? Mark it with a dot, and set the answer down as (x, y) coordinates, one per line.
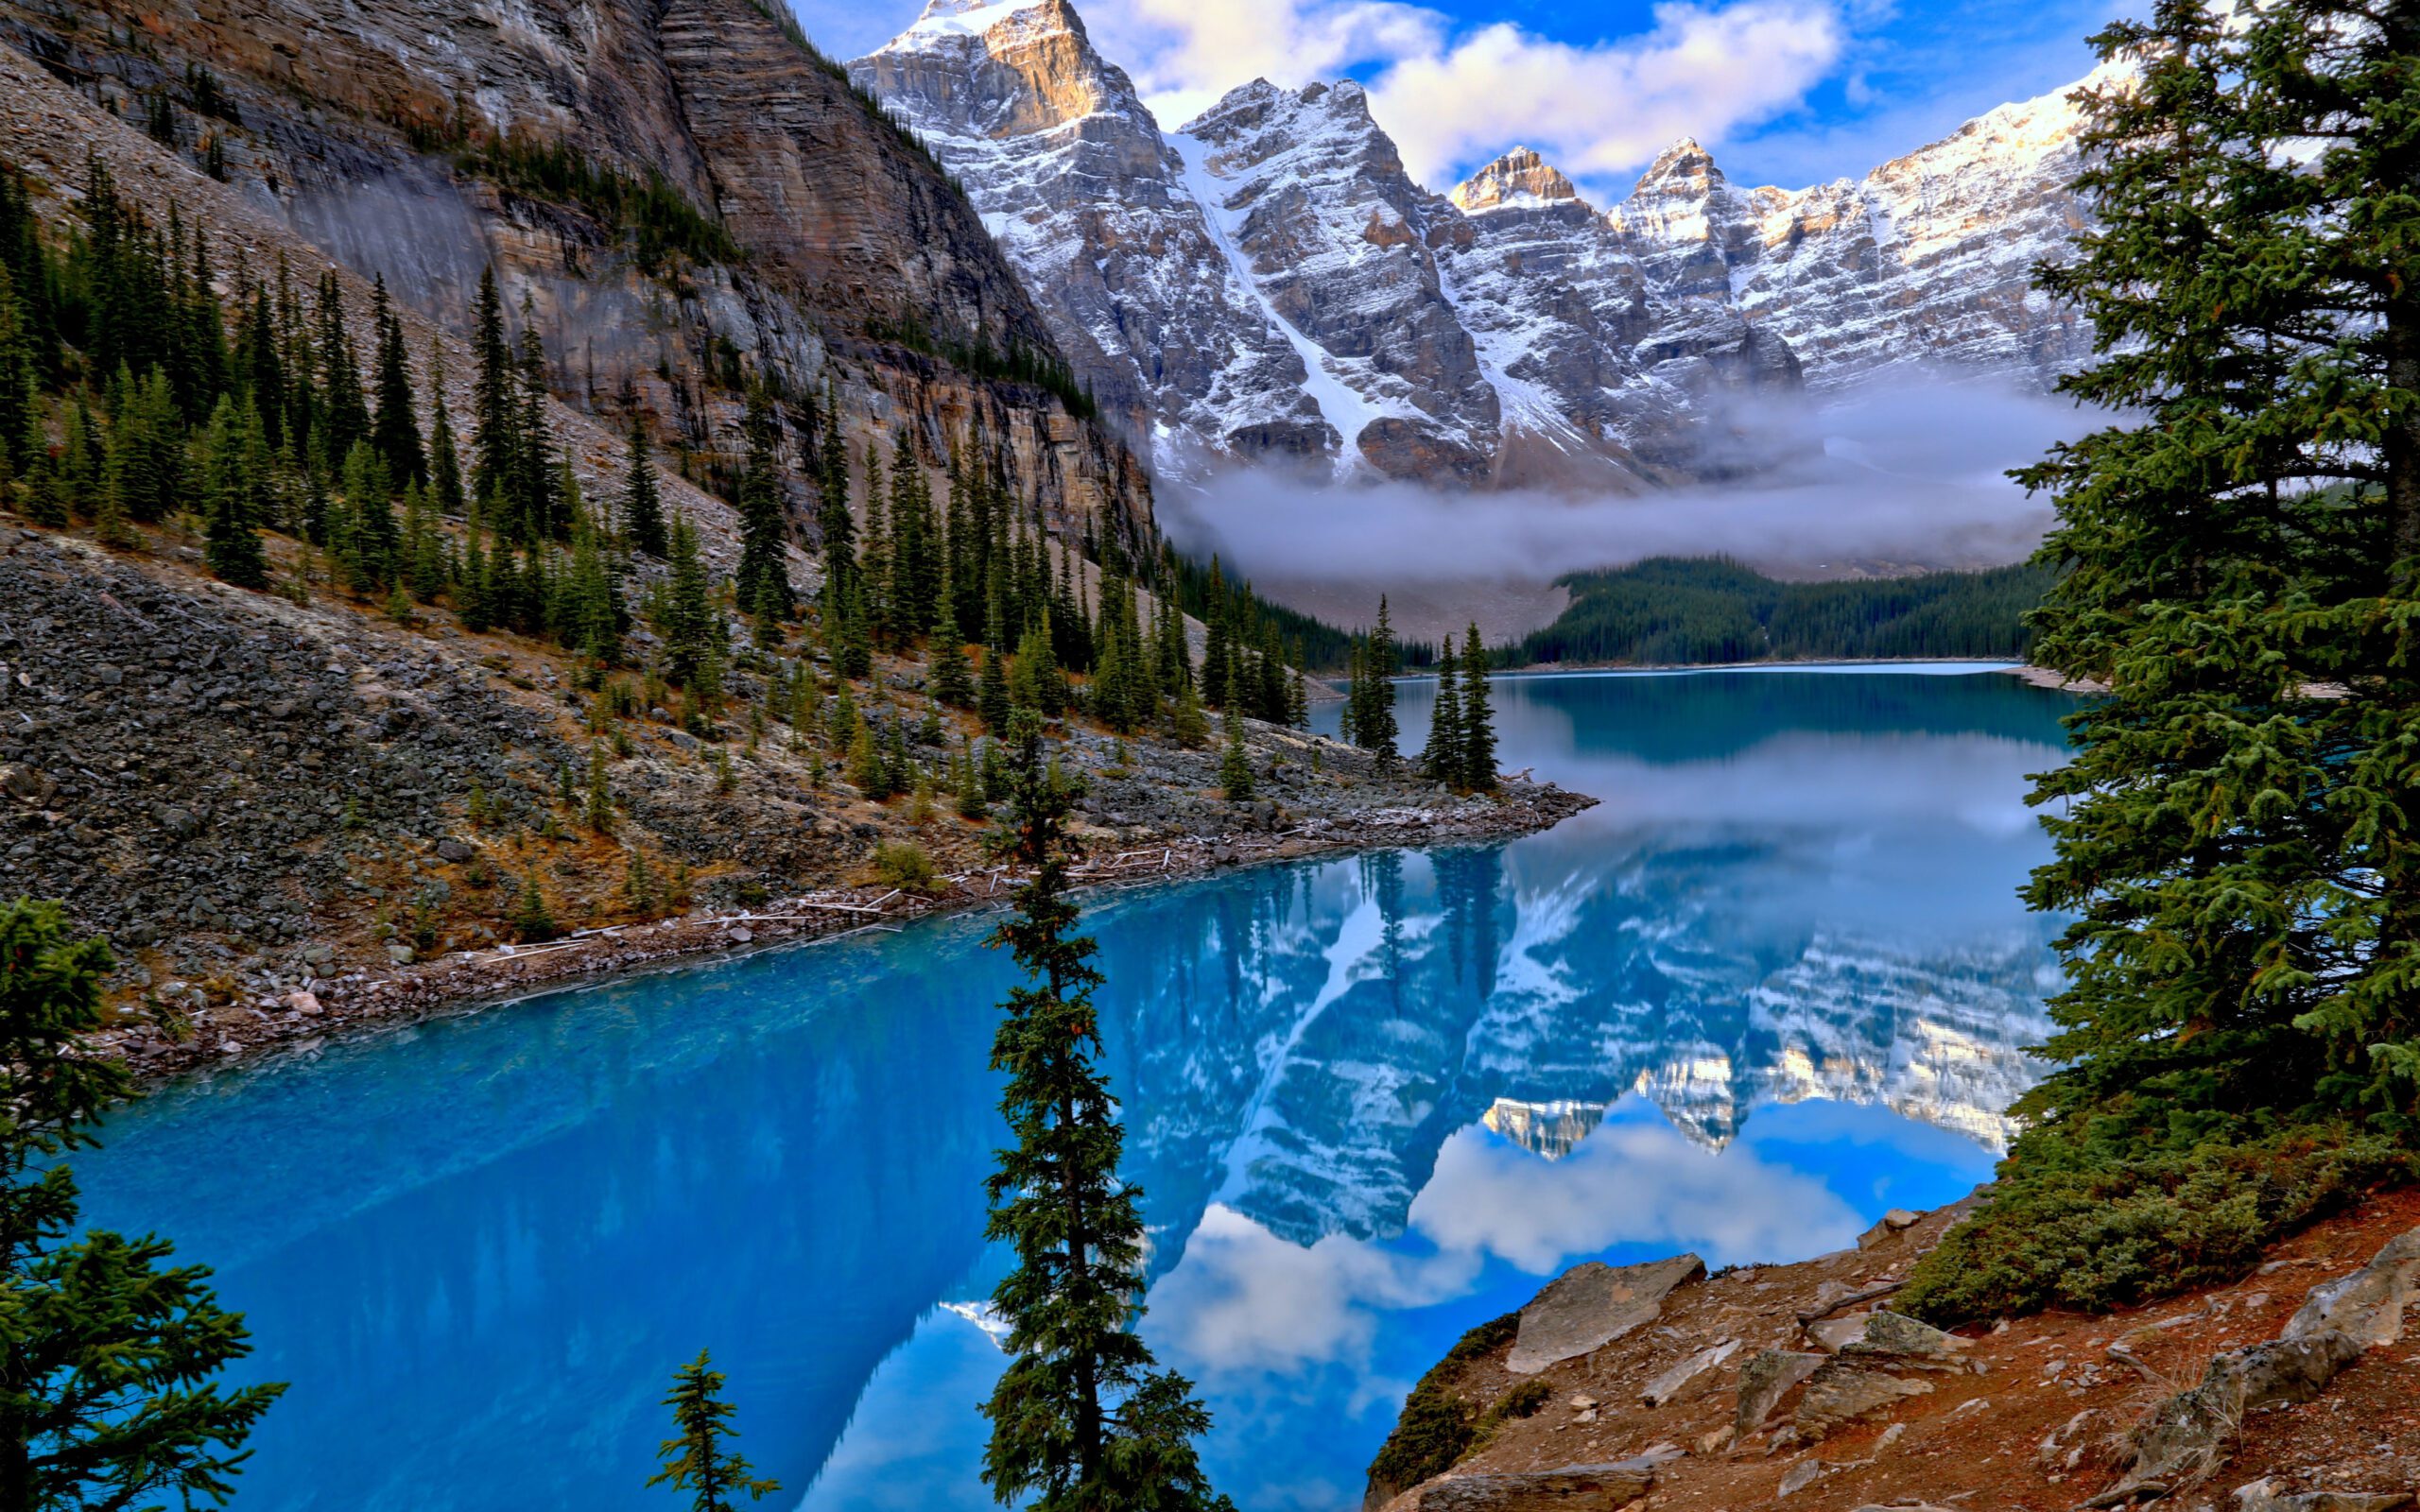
(1453, 96)
(1602, 110)
(1185, 55)
(1244, 1301)
(1627, 1183)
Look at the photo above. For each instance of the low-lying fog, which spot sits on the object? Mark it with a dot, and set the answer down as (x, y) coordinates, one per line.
(1892, 478)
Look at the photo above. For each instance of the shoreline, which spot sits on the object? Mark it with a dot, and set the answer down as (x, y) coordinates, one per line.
(1966, 665)
(301, 1021)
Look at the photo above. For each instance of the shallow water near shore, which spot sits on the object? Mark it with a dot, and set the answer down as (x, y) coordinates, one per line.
(1775, 984)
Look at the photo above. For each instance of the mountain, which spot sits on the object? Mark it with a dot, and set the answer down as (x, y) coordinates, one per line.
(1925, 260)
(1267, 280)
(1093, 207)
(688, 197)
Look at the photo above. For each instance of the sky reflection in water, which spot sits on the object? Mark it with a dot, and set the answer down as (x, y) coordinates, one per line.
(1776, 983)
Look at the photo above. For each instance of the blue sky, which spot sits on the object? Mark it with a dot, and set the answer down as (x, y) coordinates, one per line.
(1787, 91)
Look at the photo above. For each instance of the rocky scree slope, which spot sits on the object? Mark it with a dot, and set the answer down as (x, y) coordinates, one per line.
(268, 806)
(1507, 334)
(405, 138)
(2288, 1391)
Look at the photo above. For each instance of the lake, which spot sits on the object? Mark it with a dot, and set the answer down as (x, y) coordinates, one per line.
(1776, 983)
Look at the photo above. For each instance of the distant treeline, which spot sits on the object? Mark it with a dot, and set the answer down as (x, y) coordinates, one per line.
(1678, 609)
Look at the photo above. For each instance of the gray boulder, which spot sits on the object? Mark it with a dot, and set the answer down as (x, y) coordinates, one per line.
(2368, 1304)
(2267, 1496)
(1765, 1380)
(2188, 1434)
(1884, 1365)
(1688, 1373)
(1590, 1306)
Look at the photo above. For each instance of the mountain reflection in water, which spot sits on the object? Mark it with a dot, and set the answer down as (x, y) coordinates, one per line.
(1776, 982)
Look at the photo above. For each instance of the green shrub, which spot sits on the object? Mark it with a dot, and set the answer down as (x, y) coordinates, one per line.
(2097, 1236)
(1523, 1400)
(1438, 1426)
(903, 864)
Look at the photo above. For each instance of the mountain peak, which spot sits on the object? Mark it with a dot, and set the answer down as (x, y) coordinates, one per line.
(973, 18)
(1518, 180)
(1684, 160)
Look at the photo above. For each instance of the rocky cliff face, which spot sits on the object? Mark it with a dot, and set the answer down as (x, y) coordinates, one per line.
(1092, 205)
(1925, 260)
(1269, 279)
(861, 266)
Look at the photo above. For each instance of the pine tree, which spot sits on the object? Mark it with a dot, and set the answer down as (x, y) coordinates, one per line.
(1478, 717)
(444, 462)
(495, 407)
(688, 611)
(1374, 695)
(346, 412)
(109, 1364)
(1234, 763)
(2237, 838)
(833, 521)
(1083, 1418)
(694, 1458)
(530, 920)
(536, 501)
(952, 683)
(763, 583)
(1440, 759)
(231, 547)
(1188, 725)
(641, 500)
(395, 432)
(991, 699)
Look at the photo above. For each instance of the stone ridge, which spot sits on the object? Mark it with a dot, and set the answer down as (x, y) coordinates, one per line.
(1086, 198)
(1269, 281)
(1927, 260)
(1519, 177)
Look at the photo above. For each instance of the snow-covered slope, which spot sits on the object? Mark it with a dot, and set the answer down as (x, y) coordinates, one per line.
(1071, 175)
(1925, 260)
(1267, 280)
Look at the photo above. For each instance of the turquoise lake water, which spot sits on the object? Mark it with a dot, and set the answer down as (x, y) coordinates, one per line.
(1776, 983)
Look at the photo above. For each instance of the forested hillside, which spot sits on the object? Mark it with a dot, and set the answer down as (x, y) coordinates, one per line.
(1678, 609)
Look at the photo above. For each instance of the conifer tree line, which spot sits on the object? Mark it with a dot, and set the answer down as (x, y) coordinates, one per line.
(134, 395)
(1460, 749)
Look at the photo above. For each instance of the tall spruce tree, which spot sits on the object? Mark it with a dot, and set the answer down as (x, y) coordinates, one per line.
(1478, 717)
(109, 1360)
(2237, 838)
(444, 461)
(1374, 718)
(231, 485)
(642, 499)
(763, 584)
(1440, 758)
(1083, 1418)
(395, 429)
(494, 402)
(688, 611)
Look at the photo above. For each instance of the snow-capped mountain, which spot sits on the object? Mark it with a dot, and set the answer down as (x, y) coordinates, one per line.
(1927, 259)
(1070, 172)
(1267, 280)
